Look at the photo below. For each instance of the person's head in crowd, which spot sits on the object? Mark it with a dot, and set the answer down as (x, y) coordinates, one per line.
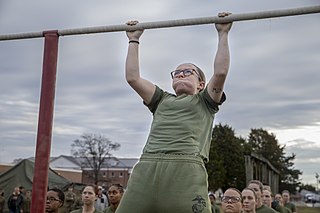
(267, 196)
(285, 196)
(89, 196)
(16, 191)
(231, 201)
(212, 198)
(249, 200)
(55, 200)
(278, 198)
(267, 187)
(28, 193)
(70, 189)
(22, 189)
(115, 193)
(257, 187)
(100, 190)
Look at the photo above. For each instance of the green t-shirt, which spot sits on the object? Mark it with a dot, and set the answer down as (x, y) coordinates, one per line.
(215, 208)
(80, 211)
(181, 124)
(108, 210)
(282, 209)
(291, 206)
(265, 209)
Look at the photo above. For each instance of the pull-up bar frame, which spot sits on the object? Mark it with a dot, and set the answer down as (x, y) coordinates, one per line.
(172, 23)
(48, 84)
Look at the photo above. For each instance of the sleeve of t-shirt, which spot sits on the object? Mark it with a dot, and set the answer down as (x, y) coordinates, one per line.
(156, 98)
(214, 106)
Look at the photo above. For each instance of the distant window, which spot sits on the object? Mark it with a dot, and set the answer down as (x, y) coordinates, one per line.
(112, 174)
(104, 174)
(121, 174)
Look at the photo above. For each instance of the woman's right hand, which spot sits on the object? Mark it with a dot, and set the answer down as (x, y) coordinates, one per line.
(226, 26)
(134, 35)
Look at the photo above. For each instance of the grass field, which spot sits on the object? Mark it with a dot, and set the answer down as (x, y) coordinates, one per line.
(305, 209)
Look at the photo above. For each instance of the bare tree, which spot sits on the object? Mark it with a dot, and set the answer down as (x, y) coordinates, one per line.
(94, 150)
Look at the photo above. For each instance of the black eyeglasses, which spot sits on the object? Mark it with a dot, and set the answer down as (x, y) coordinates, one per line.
(186, 72)
(52, 199)
(232, 199)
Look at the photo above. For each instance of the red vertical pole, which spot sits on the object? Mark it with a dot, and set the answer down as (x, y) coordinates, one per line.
(45, 121)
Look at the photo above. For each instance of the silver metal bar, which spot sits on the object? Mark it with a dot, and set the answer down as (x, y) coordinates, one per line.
(172, 23)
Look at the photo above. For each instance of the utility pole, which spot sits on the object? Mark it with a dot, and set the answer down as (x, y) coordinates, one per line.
(317, 178)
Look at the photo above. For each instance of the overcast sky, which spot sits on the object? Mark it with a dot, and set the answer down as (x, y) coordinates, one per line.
(273, 81)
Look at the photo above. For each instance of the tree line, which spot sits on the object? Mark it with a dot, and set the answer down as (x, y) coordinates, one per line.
(226, 165)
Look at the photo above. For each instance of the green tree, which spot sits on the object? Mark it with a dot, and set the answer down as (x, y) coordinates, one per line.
(265, 144)
(307, 187)
(95, 150)
(226, 167)
(289, 176)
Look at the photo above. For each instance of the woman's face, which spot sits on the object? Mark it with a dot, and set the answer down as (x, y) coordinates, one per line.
(256, 188)
(53, 201)
(88, 195)
(231, 202)
(266, 198)
(189, 84)
(248, 200)
(114, 195)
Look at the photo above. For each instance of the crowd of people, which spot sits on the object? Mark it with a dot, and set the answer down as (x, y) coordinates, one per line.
(19, 201)
(255, 198)
(92, 199)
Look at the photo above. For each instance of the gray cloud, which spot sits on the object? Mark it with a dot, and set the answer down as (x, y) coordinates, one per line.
(307, 157)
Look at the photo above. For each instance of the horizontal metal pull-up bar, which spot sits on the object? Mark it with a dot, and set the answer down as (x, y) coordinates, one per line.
(172, 23)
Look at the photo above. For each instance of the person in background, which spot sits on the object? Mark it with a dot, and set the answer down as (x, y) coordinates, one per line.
(115, 193)
(69, 199)
(286, 201)
(257, 187)
(78, 202)
(22, 190)
(214, 207)
(267, 196)
(101, 201)
(231, 201)
(89, 195)
(2, 201)
(55, 200)
(27, 201)
(277, 204)
(15, 201)
(249, 200)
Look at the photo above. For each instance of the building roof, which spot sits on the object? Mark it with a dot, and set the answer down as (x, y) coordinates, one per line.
(64, 161)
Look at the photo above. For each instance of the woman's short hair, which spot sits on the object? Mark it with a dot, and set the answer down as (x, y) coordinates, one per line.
(236, 190)
(118, 186)
(94, 187)
(254, 193)
(59, 193)
(201, 73)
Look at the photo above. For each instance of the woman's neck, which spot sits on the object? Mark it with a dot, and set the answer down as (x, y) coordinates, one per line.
(88, 209)
(253, 211)
(114, 206)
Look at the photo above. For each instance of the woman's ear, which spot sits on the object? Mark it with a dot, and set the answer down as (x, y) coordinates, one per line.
(201, 86)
